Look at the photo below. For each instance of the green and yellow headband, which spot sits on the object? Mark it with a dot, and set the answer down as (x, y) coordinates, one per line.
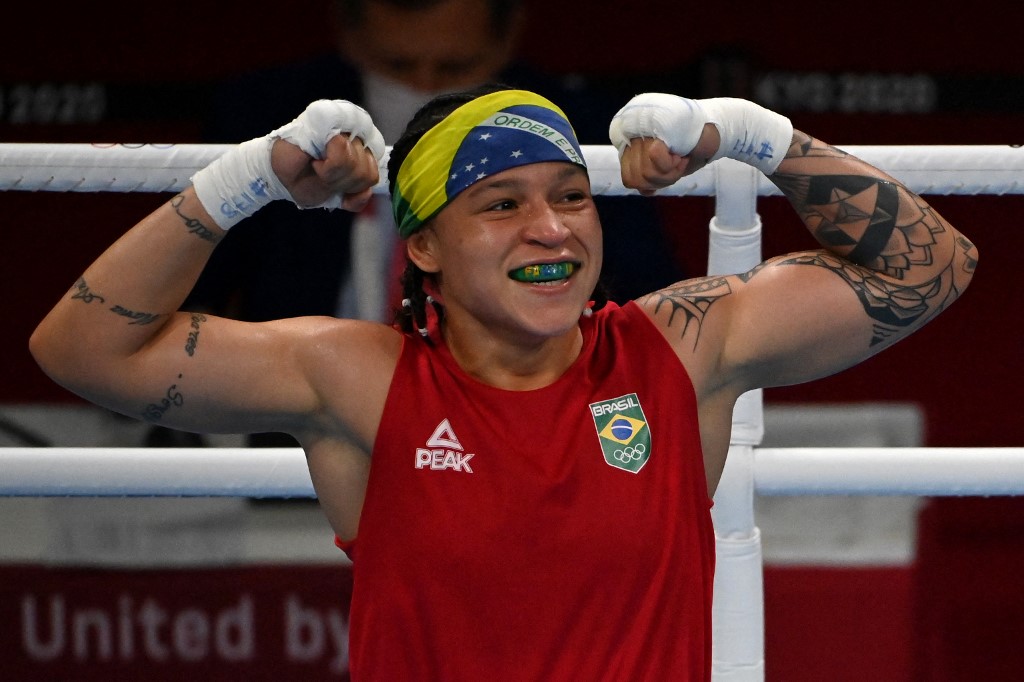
(491, 134)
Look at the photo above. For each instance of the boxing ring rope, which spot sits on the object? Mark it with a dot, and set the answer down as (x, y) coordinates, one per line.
(977, 169)
(282, 472)
(734, 247)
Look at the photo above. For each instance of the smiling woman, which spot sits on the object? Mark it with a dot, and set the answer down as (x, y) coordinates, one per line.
(458, 146)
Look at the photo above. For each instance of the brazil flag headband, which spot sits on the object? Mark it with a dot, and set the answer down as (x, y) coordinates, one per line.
(488, 135)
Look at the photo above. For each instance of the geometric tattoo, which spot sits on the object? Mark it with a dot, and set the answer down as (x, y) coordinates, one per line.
(859, 218)
(875, 231)
(892, 306)
(691, 299)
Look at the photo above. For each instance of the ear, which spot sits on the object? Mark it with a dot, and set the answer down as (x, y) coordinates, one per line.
(422, 249)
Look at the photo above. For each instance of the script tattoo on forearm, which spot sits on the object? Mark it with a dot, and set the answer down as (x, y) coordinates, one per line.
(194, 225)
(83, 294)
(688, 302)
(138, 318)
(870, 221)
(193, 333)
(173, 398)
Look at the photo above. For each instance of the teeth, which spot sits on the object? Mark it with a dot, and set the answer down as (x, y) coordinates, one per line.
(546, 272)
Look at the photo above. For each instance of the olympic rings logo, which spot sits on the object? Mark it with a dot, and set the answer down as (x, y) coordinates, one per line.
(630, 454)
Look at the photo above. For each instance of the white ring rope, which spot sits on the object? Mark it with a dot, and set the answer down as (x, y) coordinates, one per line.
(162, 472)
(971, 170)
(282, 472)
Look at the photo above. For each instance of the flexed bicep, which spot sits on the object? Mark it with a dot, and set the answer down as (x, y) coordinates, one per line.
(904, 261)
(807, 315)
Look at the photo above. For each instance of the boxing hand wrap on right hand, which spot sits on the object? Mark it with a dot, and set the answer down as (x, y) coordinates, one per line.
(242, 181)
(749, 132)
(239, 183)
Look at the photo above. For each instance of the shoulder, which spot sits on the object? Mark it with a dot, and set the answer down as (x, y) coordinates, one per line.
(694, 318)
(349, 364)
(331, 342)
(341, 353)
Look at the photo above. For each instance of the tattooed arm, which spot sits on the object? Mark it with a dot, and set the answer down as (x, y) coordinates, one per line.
(117, 339)
(888, 265)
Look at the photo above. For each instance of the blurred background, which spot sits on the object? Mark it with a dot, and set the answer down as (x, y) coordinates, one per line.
(876, 588)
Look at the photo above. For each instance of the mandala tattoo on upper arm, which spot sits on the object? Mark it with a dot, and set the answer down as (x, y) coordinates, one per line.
(688, 302)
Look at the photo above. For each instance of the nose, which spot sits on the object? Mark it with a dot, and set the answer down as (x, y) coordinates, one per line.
(544, 226)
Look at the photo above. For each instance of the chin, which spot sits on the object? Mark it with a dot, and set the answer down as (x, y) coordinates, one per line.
(551, 322)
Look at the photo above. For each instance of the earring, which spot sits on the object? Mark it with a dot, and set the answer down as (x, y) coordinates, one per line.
(407, 304)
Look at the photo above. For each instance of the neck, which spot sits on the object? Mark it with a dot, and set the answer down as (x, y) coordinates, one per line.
(513, 364)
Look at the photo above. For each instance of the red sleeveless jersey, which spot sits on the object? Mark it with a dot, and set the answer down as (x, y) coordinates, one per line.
(562, 533)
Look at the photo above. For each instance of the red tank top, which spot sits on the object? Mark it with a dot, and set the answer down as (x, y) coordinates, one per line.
(553, 534)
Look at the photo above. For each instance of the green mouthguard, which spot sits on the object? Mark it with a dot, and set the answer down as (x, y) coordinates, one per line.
(543, 273)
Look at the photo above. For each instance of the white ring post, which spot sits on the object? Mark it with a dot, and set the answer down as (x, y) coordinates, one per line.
(738, 613)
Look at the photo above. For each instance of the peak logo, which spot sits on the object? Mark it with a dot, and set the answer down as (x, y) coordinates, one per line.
(444, 451)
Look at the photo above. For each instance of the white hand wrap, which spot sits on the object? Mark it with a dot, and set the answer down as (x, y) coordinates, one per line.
(242, 181)
(749, 132)
(239, 183)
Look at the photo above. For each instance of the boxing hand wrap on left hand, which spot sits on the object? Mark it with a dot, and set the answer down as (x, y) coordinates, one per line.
(242, 181)
(749, 132)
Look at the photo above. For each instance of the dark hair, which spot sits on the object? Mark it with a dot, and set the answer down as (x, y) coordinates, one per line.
(413, 317)
(354, 11)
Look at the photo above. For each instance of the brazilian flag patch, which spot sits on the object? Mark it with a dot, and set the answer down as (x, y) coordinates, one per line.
(623, 432)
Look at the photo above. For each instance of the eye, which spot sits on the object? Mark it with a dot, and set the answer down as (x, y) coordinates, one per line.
(503, 205)
(575, 197)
